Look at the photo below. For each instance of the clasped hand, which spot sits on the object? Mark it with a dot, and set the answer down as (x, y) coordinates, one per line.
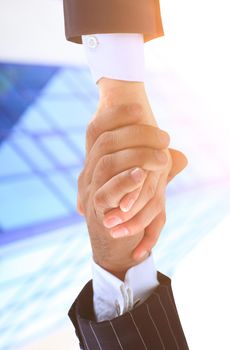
(121, 189)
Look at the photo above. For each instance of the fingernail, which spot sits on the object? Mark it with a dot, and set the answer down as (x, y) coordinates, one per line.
(137, 174)
(161, 156)
(112, 221)
(128, 206)
(120, 232)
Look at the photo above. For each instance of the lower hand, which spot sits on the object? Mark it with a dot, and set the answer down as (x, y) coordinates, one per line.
(101, 174)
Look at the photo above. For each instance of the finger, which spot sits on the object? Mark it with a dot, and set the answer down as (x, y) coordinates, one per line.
(129, 199)
(143, 218)
(114, 118)
(151, 235)
(79, 206)
(147, 192)
(127, 137)
(110, 194)
(179, 162)
(112, 164)
(141, 196)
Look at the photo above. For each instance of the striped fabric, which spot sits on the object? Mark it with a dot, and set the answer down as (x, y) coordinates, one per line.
(155, 324)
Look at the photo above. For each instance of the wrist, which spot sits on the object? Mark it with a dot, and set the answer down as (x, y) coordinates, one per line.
(120, 271)
(114, 93)
(115, 256)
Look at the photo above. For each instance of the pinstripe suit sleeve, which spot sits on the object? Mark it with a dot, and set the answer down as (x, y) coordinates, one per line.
(112, 16)
(153, 325)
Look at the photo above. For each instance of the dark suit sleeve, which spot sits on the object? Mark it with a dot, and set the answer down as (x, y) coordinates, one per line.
(112, 16)
(153, 325)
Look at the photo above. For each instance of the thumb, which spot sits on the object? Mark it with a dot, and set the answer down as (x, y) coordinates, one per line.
(179, 162)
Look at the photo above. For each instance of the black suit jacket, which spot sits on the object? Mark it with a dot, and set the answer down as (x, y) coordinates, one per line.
(153, 325)
(112, 16)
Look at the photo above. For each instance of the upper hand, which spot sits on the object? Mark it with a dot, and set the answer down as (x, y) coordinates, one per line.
(103, 163)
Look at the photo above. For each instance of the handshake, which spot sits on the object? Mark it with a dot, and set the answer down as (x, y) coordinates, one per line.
(121, 189)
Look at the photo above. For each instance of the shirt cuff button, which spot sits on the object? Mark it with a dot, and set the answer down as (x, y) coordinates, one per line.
(117, 307)
(91, 41)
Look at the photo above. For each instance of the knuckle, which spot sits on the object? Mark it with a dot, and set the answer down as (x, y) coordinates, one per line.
(97, 200)
(162, 136)
(106, 140)
(83, 187)
(136, 110)
(122, 180)
(80, 180)
(122, 184)
(82, 191)
(167, 136)
(100, 200)
(104, 163)
(133, 112)
(161, 156)
(92, 131)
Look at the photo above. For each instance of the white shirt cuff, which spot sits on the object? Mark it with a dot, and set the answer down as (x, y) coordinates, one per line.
(113, 297)
(117, 56)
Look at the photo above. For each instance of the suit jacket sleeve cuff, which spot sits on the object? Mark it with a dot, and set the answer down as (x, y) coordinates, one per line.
(154, 324)
(114, 16)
